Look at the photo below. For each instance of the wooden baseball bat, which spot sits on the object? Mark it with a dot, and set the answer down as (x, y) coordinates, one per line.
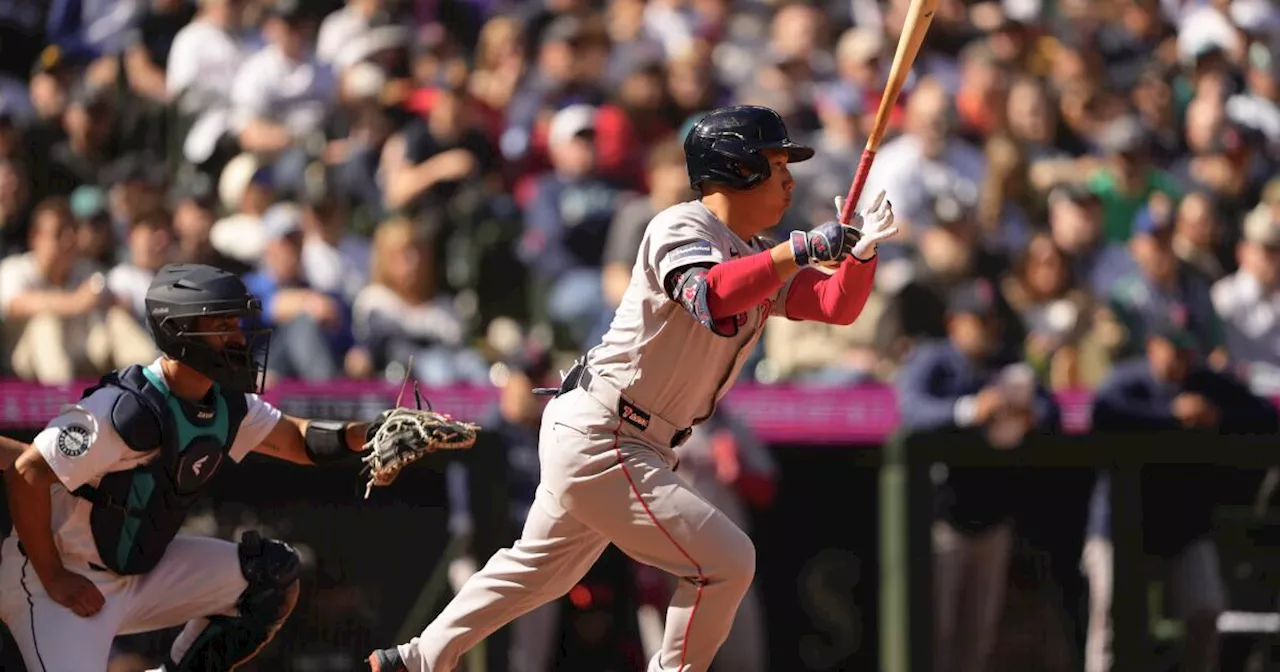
(919, 16)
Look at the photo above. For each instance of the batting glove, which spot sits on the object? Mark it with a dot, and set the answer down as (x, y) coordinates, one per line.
(825, 244)
(875, 225)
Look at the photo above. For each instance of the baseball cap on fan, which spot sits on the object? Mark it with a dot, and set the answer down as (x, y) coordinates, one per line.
(572, 122)
(281, 221)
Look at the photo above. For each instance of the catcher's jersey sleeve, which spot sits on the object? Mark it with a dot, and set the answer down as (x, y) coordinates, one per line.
(683, 236)
(81, 445)
(258, 422)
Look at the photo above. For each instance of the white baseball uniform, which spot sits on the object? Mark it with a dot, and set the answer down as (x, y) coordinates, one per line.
(198, 576)
(607, 458)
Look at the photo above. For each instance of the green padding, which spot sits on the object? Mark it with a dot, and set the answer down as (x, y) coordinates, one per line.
(188, 432)
(140, 491)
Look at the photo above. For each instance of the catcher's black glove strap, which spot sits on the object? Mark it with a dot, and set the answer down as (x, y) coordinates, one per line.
(326, 441)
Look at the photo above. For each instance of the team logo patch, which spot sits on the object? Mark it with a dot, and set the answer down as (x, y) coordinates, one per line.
(73, 440)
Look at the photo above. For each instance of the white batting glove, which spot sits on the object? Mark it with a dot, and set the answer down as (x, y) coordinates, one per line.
(875, 223)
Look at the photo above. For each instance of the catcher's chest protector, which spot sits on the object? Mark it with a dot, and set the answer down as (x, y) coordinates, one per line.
(136, 513)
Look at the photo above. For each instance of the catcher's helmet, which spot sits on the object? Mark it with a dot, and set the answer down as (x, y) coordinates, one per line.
(181, 293)
(724, 146)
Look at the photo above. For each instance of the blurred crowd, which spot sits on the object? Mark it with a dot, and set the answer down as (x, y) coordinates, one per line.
(403, 178)
(1086, 187)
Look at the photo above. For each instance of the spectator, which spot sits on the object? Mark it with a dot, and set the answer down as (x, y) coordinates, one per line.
(500, 63)
(194, 203)
(1196, 232)
(839, 144)
(150, 248)
(281, 96)
(401, 315)
(926, 160)
(1005, 201)
(558, 80)
(312, 329)
(203, 60)
(425, 165)
(963, 383)
(87, 152)
(1164, 286)
(15, 197)
(146, 53)
(1075, 223)
(334, 260)
(1061, 343)
(1249, 303)
(96, 234)
(1168, 390)
(94, 31)
(566, 226)
(59, 322)
(135, 186)
(246, 189)
(346, 26)
(1128, 178)
(917, 284)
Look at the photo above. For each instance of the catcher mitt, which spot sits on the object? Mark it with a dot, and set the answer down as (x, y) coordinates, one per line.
(401, 436)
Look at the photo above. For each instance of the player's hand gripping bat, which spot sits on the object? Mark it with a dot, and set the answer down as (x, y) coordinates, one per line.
(919, 16)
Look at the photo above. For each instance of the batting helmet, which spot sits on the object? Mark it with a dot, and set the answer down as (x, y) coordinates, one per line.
(725, 146)
(182, 293)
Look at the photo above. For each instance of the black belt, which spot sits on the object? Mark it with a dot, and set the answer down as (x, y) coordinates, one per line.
(579, 376)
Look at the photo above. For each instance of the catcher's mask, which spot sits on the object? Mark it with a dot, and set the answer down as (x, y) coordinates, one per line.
(206, 318)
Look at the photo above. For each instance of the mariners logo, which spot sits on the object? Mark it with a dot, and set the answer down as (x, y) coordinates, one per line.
(73, 441)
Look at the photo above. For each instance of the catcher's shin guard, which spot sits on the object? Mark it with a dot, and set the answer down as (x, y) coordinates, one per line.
(271, 567)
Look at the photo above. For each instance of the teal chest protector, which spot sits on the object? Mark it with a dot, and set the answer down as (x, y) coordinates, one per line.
(136, 513)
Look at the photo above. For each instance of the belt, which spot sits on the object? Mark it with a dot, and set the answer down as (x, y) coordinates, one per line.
(581, 377)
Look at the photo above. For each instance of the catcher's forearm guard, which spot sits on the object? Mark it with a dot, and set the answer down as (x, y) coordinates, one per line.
(401, 436)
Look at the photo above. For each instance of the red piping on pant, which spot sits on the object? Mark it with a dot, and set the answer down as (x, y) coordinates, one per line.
(702, 579)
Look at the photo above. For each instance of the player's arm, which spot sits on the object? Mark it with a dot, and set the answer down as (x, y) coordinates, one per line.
(696, 276)
(76, 448)
(840, 297)
(313, 442)
(10, 451)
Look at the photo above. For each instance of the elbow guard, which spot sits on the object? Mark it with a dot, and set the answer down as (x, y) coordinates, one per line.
(691, 292)
(326, 441)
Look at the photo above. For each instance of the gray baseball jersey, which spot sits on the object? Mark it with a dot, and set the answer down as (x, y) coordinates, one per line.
(606, 476)
(655, 352)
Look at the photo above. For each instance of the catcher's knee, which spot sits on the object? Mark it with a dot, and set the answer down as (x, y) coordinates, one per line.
(272, 570)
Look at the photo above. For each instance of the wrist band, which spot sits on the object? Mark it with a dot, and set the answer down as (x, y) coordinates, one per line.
(800, 247)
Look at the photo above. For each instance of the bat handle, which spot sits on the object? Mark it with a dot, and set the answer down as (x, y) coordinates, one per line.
(855, 189)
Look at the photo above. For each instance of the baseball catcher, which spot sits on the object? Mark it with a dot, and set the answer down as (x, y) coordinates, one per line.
(99, 496)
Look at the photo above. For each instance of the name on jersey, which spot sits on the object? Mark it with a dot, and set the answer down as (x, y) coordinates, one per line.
(73, 440)
(632, 415)
(700, 248)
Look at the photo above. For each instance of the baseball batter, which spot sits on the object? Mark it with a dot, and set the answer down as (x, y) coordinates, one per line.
(98, 498)
(701, 289)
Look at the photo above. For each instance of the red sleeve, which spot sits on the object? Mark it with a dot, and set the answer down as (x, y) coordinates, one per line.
(735, 286)
(834, 299)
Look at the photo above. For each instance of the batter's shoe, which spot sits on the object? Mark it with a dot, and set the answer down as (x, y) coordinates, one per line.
(386, 660)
